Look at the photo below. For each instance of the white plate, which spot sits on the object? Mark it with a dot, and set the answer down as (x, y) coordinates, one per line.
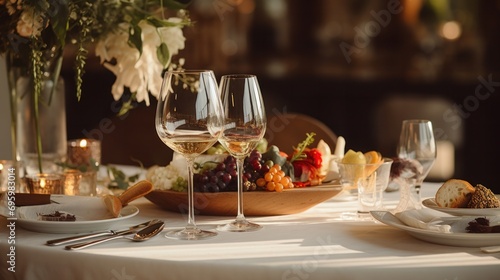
(91, 215)
(431, 203)
(461, 239)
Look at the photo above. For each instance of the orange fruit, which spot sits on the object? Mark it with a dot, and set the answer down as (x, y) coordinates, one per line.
(373, 158)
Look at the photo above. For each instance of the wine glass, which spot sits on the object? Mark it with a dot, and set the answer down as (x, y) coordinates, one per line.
(189, 120)
(245, 125)
(417, 148)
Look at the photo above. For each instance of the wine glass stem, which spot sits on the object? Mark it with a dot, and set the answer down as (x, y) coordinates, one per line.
(239, 167)
(190, 223)
(417, 188)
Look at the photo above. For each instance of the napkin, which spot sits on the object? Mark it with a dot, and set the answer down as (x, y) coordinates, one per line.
(424, 219)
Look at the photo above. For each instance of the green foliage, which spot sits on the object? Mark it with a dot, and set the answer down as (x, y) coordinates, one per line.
(118, 179)
(299, 150)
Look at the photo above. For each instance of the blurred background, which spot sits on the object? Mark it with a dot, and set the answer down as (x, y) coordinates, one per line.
(358, 66)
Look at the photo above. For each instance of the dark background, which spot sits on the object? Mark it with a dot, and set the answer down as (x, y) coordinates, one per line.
(294, 48)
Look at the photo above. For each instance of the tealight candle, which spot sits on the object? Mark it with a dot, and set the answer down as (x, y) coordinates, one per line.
(80, 183)
(45, 183)
(72, 179)
(84, 155)
(84, 152)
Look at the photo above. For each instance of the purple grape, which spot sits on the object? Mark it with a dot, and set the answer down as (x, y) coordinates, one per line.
(256, 165)
(226, 178)
(212, 187)
(220, 167)
(214, 179)
(222, 186)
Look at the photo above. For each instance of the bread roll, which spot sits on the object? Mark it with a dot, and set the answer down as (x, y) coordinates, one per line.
(454, 193)
(483, 198)
(113, 204)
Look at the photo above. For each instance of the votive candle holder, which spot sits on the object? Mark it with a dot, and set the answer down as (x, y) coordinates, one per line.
(84, 152)
(44, 183)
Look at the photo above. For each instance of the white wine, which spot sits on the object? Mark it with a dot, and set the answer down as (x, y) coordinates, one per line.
(239, 145)
(192, 145)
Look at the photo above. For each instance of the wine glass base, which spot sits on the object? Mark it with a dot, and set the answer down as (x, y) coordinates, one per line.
(239, 226)
(190, 234)
(356, 216)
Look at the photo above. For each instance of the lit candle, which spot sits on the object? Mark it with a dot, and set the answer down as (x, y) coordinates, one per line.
(45, 183)
(84, 153)
(83, 143)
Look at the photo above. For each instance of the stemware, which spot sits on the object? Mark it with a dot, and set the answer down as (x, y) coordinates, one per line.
(245, 125)
(417, 150)
(189, 120)
(370, 181)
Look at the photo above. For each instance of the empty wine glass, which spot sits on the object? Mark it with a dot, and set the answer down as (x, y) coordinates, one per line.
(417, 152)
(245, 125)
(189, 120)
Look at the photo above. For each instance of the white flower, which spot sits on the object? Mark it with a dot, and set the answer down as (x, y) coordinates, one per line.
(29, 24)
(11, 5)
(162, 178)
(141, 73)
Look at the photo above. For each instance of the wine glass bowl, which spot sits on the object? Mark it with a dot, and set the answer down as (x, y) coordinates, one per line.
(417, 143)
(244, 126)
(189, 120)
(417, 150)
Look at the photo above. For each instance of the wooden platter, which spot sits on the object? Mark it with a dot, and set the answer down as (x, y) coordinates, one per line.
(256, 203)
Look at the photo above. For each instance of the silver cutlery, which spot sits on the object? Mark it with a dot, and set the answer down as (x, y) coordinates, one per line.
(131, 229)
(142, 235)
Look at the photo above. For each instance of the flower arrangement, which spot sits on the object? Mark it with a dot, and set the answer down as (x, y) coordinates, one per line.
(134, 39)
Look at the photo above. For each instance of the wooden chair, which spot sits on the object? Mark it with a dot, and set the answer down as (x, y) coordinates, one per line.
(288, 130)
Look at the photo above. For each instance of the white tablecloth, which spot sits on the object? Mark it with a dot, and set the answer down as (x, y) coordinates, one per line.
(315, 244)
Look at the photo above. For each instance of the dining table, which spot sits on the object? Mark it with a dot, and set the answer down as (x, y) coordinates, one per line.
(317, 243)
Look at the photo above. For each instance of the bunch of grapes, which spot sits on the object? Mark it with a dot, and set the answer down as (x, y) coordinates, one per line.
(275, 180)
(224, 176)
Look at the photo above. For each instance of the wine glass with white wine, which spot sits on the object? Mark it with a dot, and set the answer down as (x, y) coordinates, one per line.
(245, 125)
(189, 120)
(417, 148)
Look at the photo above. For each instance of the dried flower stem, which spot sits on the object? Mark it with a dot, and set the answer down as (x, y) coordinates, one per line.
(36, 72)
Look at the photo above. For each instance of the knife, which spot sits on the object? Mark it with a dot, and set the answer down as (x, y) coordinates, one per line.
(132, 229)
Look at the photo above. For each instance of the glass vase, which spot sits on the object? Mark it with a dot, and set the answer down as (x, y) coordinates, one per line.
(39, 137)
